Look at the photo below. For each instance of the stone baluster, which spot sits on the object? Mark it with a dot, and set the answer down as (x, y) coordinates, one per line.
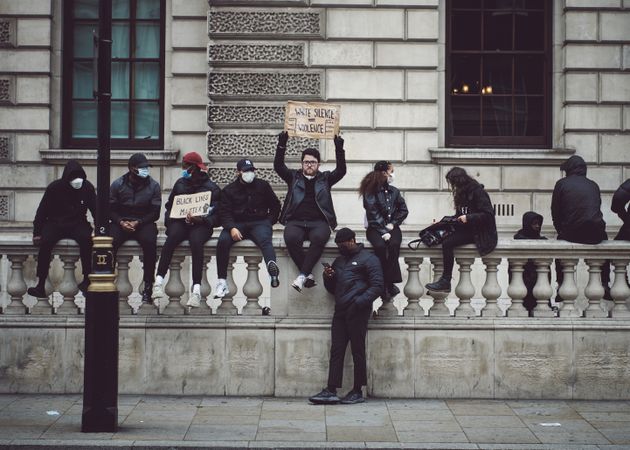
(465, 289)
(174, 288)
(228, 300)
(594, 291)
(542, 289)
(413, 290)
(491, 289)
(516, 290)
(252, 287)
(16, 286)
(619, 291)
(205, 285)
(569, 290)
(68, 287)
(5, 298)
(124, 286)
(443, 305)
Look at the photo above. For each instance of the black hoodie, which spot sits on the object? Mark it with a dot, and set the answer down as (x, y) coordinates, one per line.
(620, 207)
(62, 204)
(527, 232)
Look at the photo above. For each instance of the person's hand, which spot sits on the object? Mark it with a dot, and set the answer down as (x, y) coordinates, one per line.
(462, 219)
(37, 240)
(389, 226)
(386, 237)
(236, 234)
(329, 272)
(338, 142)
(134, 224)
(283, 138)
(126, 226)
(193, 220)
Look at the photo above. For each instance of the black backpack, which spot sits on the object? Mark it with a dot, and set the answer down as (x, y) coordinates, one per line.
(435, 233)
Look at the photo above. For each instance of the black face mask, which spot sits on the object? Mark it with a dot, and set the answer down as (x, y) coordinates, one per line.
(345, 251)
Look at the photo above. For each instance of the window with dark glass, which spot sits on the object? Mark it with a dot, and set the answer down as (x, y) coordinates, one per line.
(137, 73)
(498, 69)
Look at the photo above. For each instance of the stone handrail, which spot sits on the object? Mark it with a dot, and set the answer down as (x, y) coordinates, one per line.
(480, 288)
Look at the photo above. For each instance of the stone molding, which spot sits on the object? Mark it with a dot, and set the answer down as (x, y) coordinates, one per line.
(118, 157)
(266, 85)
(516, 156)
(232, 146)
(304, 23)
(246, 53)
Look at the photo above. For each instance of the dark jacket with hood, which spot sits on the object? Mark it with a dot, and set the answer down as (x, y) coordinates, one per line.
(530, 276)
(386, 206)
(188, 186)
(576, 204)
(62, 204)
(295, 180)
(358, 279)
(620, 207)
(480, 217)
(135, 201)
(246, 202)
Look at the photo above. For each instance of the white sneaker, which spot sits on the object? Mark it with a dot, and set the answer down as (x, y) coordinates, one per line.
(158, 290)
(222, 289)
(194, 300)
(298, 283)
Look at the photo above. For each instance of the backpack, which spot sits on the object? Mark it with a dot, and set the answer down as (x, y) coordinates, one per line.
(435, 233)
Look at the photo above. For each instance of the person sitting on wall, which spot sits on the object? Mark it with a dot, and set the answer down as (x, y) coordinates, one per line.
(135, 200)
(308, 212)
(356, 280)
(196, 229)
(477, 225)
(248, 210)
(385, 210)
(62, 214)
(621, 207)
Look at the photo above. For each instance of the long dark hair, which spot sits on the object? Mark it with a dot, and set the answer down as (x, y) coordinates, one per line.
(372, 182)
(461, 185)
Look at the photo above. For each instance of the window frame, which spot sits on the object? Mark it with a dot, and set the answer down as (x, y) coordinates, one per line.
(67, 140)
(513, 141)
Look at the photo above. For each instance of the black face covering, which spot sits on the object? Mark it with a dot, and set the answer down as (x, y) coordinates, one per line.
(345, 251)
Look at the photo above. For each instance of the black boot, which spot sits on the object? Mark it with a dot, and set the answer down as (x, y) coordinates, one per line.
(38, 291)
(146, 293)
(441, 285)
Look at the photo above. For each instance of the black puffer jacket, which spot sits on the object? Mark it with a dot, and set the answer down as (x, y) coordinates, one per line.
(129, 201)
(480, 217)
(62, 204)
(358, 279)
(386, 206)
(620, 207)
(187, 186)
(245, 202)
(576, 202)
(295, 180)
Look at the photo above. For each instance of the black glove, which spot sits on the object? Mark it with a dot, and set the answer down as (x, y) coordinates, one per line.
(283, 137)
(338, 143)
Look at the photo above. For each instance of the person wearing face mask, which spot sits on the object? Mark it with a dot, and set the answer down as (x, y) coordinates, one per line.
(385, 210)
(196, 229)
(308, 212)
(62, 214)
(135, 200)
(356, 280)
(248, 210)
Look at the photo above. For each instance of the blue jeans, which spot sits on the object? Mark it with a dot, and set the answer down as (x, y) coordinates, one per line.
(258, 231)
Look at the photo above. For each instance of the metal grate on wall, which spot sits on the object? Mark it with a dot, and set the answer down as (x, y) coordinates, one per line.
(504, 209)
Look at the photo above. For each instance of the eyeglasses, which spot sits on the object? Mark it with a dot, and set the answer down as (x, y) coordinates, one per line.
(310, 162)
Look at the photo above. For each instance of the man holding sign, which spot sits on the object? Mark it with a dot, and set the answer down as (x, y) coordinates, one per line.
(191, 214)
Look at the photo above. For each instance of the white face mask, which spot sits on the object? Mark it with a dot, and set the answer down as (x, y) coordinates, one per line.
(143, 172)
(77, 183)
(309, 177)
(390, 178)
(248, 177)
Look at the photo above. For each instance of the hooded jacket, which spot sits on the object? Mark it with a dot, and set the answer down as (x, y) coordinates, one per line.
(619, 206)
(188, 186)
(530, 276)
(527, 232)
(245, 202)
(358, 279)
(386, 206)
(576, 204)
(480, 217)
(129, 201)
(62, 204)
(295, 180)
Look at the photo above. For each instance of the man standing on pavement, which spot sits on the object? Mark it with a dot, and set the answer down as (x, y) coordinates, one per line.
(308, 212)
(356, 280)
(135, 201)
(248, 210)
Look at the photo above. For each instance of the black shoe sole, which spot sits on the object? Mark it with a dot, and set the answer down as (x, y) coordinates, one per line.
(352, 402)
(440, 291)
(324, 402)
(274, 271)
(275, 282)
(35, 293)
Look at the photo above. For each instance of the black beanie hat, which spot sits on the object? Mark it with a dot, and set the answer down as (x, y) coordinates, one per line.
(344, 235)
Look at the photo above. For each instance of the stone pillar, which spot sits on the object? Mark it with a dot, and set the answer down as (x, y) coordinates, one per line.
(491, 289)
(413, 290)
(542, 289)
(594, 290)
(16, 286)
(516, 290)
(123, 285)
(174, 288)
(569, 290)
(619, 291)
(440, 299)
(465, 289)
(252, 288)
(68, 287)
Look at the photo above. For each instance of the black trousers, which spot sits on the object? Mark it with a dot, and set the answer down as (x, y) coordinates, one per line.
(53, 233)
(354, 329)
(296, 232)
(146, 236)
(259, 231)
(177, 232)
(461, 236)
(388, 253)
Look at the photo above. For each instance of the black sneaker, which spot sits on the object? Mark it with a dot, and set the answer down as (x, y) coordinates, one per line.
(37, 291)
(353, 397)
(441, 285)
(146, 293)
(310, 282)
(274, 271)
(325, 397)
(393, 291)
(83, 286)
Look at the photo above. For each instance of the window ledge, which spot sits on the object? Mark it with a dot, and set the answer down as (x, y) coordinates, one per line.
(118, 157)
(516, 156)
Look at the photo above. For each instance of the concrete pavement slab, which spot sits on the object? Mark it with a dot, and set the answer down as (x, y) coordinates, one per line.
(501, 435)
(361, 433)
(490, 421)
(427, 426)
(479, 408)
(432, 436)
(221, 432)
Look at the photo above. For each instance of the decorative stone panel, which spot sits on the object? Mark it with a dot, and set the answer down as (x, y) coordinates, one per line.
(7, 90)
(256, 23)
(225, 175)
(256, 85)
(6, 147)
(6, 205)
(7, 33)
(237, 146)
(245, 115)
(247, 54)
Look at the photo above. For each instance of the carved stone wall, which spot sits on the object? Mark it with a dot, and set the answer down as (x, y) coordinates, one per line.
(7, 32)
(6, 147)
(228, 146)
(249, 53)
(6, 206)
(245, 115)
(7, 89)
(265, 84)
(260, 22)
(225, 175)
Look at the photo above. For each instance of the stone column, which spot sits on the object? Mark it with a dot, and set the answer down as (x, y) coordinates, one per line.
(440, 299)
(413, 290)
(68, 287)
(16, 286)
(516, 290)
(491, 289)
(124, 285)
(542, 289)
(252, 288)
(174, 288)
(569, 290)
(594, 290)
(619, 291)
(465, 289)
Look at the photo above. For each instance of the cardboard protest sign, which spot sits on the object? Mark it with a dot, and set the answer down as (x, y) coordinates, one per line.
(312, 120)
(195, 204)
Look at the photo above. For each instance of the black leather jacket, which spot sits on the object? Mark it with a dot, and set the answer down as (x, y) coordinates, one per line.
(243, 202)
(386, 206)
(295, 180)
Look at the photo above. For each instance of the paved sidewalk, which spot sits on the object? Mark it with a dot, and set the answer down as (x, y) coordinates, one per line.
(53, 421)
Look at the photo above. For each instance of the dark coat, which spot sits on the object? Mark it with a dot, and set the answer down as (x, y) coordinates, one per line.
(358, 279)
(246, 202)
(129, 201)
(386, 206)
(480, 217)
(295, 180)
(576, 205)
(62, 204)
(187, 186)
(620, 207)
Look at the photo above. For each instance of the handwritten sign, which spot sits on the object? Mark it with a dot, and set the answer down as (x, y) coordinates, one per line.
(312, 120)
(195, 204)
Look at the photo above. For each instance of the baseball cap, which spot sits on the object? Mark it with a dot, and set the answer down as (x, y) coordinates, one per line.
(138, 160)
(245, 165)
(195, 158)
